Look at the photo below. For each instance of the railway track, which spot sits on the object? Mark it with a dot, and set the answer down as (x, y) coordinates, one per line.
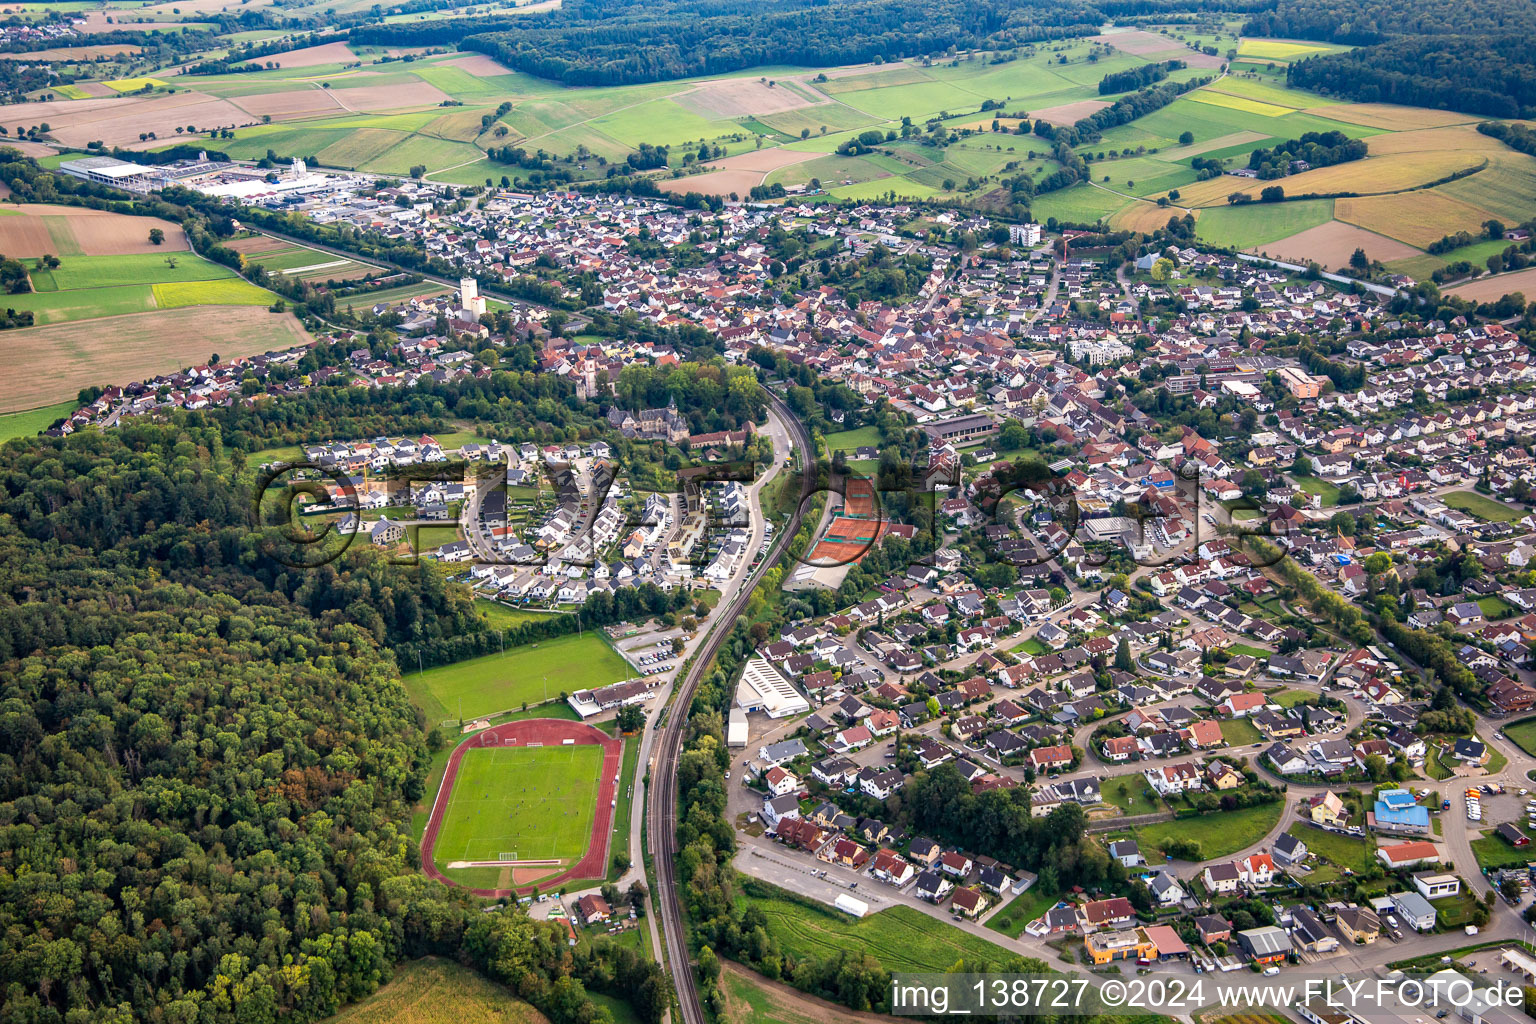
(662, 820)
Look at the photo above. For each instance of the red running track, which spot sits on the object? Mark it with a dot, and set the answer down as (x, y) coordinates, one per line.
(551, 732)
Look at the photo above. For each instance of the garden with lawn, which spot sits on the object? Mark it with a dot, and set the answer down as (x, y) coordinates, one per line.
(1129, 793)
(1493, 851)
(1523, 734)
(901, 938)
(1483, 507)
(1218, 835)
(1022, 909)
(1239, 732)
(1327, 492)
(1339, 850)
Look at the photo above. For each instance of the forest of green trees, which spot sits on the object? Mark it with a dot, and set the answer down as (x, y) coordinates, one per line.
(620, 42)
(1473, 58)
(209, 760)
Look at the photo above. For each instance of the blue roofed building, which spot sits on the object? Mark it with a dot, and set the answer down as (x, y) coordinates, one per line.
(1397, 813)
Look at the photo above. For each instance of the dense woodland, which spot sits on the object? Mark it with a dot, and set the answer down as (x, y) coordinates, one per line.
(1491, 75)
(209, 762)
(620, 42)
(1138, 77)
(1475, 58)
(1363, 22)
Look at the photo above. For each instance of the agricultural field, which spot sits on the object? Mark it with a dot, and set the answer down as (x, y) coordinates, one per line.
(1487, 289)
(32, 421)
(87, 287)
(1242, 227)
(436, 991)
(521, 803)
(43, 365)
(531, 674)
(783, 125)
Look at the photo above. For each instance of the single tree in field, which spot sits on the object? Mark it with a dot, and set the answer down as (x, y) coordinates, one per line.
(170, 261)
(1359, 260)
(156, 236)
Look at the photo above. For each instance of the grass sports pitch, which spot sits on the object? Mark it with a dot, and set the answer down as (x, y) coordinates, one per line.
(523, 803)
(529, 674)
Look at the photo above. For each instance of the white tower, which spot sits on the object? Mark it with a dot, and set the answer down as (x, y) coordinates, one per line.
(470, 298)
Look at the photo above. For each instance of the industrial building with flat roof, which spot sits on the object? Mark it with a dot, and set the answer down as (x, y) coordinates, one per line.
(108, 170)
(764, 689)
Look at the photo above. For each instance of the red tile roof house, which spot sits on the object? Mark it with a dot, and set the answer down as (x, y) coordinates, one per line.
(957, 864)
(1119, 748)
(592, 909)
(891, 869)
(968, 902)
(1106, 913)
(845, 852)
(1241, 704)
(1050, 758)
(1204, 734)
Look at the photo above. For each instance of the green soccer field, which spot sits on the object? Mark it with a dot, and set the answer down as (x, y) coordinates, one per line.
(529, 674)
(523, 803)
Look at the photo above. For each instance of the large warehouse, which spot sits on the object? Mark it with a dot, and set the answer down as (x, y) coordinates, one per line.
(109, 170)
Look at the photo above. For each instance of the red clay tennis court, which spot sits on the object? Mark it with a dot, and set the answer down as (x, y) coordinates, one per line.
(847, 540)
(859, 501)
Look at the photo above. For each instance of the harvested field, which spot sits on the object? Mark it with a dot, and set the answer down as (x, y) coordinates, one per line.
(864, 76)
(1147, 217)
(44, 228)
(763, 160)
(736, 173)
(60, 54)
(714, 183)
(373, 98)
(1417, 218)
(42, 365)
(313, 56)
(1331, 245)
(1069, 113)
(1396, 172)
(1489, 289)
(1457, 138)
(119, 121)
(28, 148)
(1138, 42)
(477, 64)
(739, 97)
(1389, 116)
(256, 245)
(25, 236)
(288, 104)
